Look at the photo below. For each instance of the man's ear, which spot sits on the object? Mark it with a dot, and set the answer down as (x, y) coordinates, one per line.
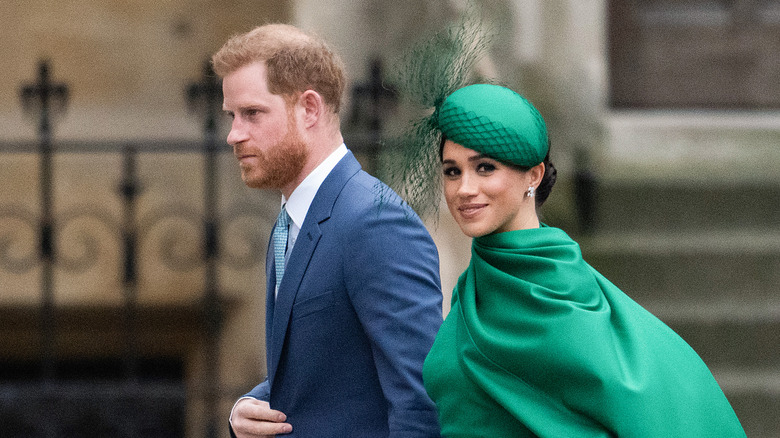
(313, 107)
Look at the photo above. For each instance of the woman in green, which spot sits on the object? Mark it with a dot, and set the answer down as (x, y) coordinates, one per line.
(537, 342)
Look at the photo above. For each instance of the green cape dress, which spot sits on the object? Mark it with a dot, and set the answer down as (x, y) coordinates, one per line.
(538, 343)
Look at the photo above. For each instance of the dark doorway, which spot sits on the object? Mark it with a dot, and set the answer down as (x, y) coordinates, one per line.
(93, 398)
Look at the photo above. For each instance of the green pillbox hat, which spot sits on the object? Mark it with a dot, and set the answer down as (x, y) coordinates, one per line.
(495, 121)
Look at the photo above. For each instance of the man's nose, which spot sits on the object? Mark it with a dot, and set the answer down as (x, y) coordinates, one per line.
(237, 133)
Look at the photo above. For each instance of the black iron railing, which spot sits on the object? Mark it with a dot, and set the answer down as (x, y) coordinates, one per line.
(129, 389)
(117, 398)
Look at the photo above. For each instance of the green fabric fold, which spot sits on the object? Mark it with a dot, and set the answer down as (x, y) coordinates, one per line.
(564, 352)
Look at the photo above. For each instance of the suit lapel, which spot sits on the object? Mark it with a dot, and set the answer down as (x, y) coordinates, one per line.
(288, 289)
(270, 284)
(300, 257)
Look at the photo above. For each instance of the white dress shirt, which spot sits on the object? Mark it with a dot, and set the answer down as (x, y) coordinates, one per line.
(303, 195)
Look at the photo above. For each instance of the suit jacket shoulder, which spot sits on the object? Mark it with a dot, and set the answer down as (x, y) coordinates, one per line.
(356, 314)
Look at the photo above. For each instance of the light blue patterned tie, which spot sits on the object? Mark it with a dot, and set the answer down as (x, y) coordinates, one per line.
(280, 243)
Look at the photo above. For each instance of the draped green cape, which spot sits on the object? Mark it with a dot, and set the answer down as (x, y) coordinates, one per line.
(538, 343)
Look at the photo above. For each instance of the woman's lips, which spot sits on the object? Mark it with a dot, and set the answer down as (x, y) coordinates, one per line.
(468, 211)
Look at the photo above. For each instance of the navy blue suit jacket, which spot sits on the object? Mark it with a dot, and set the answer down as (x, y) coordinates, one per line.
(357, 311)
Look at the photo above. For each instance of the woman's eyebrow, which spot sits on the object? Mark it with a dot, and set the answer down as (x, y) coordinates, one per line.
(479, 157)
(472, 158)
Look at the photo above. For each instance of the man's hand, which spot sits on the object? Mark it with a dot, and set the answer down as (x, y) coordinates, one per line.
(255, 419)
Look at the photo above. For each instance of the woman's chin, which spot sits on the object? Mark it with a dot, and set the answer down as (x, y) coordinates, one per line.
(474, 230)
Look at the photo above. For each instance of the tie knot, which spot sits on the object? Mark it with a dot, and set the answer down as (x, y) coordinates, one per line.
(283, 219)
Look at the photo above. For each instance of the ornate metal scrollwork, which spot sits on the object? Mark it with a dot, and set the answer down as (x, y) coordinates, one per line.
(80, 244)
(251, 244)
(18, 253)
(175, 253)
(87, 253)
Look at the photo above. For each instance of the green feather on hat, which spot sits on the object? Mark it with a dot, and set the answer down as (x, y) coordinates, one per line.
(491, 119)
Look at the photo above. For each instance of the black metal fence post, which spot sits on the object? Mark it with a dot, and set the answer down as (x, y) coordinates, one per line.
(371, 101)
(46, 96)
(207, 94)
(41, 99)
(129, 191)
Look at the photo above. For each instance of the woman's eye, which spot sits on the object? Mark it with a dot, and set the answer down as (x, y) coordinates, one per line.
(485, 167)
(451, 171)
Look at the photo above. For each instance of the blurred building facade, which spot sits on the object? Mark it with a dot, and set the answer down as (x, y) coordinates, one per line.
(135, 268)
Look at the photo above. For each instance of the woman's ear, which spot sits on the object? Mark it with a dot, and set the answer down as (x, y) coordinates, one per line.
(536, 174)
(313, 107)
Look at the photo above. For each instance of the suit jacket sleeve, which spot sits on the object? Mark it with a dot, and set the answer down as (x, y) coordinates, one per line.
(395, 289)
(260, 392)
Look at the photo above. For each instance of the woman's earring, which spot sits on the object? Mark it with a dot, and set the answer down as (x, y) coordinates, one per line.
(531, 191)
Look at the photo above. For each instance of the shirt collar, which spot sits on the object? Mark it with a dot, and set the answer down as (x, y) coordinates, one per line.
(301, 198)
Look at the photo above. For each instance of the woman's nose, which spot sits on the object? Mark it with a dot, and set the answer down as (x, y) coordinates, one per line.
(468, 185)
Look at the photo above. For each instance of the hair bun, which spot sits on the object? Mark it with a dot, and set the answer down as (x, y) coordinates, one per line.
(548, 181)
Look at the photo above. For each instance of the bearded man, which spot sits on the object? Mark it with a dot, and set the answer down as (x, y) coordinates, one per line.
(353, 297)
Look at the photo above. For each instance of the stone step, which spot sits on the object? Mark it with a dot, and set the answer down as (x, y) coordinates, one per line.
(681, 266)
(726, 310)
(687, 205)
(733, 344)
(705, 259)
(718, 290)
(754, 394)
